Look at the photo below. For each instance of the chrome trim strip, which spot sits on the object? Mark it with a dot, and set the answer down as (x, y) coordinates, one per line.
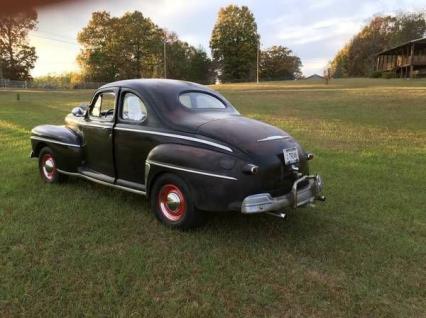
(55, 141)
(149, 132)
(76, 174)
(147, 168)
(273, 138)
(165, 165)
(108, 125)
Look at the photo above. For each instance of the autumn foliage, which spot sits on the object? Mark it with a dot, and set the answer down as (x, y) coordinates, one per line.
(358, 57)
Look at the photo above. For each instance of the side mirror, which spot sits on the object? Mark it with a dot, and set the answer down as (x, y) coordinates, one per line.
(79, 111)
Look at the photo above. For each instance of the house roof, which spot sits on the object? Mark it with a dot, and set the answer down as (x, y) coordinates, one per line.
(315, 76)
(395, 48)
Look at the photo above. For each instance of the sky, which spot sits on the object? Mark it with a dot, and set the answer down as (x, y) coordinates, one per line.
(314, 29)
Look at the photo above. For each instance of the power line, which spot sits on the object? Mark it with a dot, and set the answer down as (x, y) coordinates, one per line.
(53, 34)
(53, 39)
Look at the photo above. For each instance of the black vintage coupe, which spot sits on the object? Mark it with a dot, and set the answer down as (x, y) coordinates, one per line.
(182, 145)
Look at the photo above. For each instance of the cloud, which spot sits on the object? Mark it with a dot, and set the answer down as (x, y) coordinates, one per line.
(315, 65)
(320, 30)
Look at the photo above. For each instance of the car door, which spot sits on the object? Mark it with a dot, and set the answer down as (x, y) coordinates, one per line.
(98, 136)
(131, 144)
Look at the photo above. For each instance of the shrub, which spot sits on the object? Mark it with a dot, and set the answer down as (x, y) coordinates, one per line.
(388, 75)
(376, 74)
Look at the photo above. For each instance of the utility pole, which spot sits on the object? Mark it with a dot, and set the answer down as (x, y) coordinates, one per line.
(1, 73)
(165, 59)
(257, 61)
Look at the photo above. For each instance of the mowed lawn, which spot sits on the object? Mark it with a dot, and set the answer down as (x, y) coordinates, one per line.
(81, 249)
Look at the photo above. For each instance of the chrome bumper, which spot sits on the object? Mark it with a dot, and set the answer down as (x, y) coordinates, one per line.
(264, 202)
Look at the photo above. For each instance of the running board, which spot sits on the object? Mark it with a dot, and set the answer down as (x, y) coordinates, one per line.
(116, 186)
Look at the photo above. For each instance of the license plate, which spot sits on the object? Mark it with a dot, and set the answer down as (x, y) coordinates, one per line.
(291, 156)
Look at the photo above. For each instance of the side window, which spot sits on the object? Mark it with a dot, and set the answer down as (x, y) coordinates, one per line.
(104, 107)
(200, 100)
(133, 108)
(96, 109)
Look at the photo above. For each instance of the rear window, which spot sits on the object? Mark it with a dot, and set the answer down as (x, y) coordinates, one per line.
(198, 100)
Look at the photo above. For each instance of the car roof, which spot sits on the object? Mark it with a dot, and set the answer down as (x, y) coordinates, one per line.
(157, 84)
(163, 97)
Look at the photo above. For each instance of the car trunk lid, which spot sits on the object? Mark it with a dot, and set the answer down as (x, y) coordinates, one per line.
(248, 135)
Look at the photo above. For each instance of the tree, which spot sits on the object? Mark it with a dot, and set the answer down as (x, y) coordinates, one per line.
(119, 48)
(177, 54)
(97, 56)
(358, 57)
(372, 39)
(17, 57)
(408, 27)
(339, 65)
(139, 46)
(279, 63)
(186, 62)
(201, 67)
(131, 46)
(234, 42)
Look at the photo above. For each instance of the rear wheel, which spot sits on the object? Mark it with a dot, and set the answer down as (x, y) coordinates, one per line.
(48, 167)
(172, 204)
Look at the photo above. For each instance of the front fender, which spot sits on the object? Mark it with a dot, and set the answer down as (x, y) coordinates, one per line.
(65, 143)
(57, 134)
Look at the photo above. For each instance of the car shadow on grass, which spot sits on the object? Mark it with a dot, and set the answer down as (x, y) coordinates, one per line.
(300, 226)
(300, 223)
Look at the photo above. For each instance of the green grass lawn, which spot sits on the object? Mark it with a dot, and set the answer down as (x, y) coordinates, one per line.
(81, 249)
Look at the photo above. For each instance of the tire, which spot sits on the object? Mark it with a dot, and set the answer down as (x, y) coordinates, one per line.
(48, 168)
(172, 203)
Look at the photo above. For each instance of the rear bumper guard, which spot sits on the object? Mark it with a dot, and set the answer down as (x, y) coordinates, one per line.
(264, 202)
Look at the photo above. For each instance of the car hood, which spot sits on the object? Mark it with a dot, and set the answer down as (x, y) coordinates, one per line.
(248, 135)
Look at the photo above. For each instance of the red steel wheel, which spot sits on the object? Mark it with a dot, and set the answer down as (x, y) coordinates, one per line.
(48, 167)
(172, 203)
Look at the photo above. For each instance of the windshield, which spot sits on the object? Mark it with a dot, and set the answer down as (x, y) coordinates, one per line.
(199, 100)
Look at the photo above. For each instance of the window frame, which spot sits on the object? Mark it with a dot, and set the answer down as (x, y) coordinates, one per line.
(120, 118)
(224, 103)
(94, 101)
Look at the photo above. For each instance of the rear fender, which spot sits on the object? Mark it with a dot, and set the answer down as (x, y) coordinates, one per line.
(201, 168)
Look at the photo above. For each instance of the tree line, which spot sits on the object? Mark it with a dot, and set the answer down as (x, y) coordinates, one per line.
(133, 46)
(358, 57)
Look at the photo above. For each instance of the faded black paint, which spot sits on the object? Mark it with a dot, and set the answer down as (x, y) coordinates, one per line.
(118, 156)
